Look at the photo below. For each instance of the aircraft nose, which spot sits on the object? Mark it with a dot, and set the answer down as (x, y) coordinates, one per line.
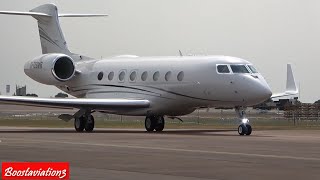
(265, 91)
(259, 91)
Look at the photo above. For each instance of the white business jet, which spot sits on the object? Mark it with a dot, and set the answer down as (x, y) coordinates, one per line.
(154, 87)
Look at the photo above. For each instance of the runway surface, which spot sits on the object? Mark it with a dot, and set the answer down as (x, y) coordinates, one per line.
(174, 154)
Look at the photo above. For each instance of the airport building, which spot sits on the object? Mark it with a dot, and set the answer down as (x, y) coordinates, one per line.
(21, 90)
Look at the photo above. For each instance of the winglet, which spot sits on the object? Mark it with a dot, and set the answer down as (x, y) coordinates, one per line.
(291, 87)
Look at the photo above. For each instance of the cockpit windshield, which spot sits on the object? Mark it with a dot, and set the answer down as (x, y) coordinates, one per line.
(253, 70)
(223, 69)
(239, 69)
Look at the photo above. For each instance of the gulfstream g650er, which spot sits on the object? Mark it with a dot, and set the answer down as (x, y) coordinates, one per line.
(154, 87)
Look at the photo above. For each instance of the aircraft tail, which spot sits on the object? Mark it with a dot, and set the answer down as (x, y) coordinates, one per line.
(291, 87)
(291, 84)
(51, 36)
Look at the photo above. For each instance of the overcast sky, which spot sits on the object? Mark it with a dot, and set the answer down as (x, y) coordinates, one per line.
(268, 33)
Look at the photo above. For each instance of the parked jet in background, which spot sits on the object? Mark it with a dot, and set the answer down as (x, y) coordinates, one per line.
(154, 87)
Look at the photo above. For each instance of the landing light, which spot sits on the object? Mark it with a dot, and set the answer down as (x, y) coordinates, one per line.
(245, 120)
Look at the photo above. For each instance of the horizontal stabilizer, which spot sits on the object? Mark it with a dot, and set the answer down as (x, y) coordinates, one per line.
(24, 13)
(82, 15)
(47, 15)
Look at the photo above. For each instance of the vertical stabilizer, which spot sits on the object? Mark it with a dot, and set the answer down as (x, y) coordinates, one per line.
(291, 87)
(51, 36)
(291, 84)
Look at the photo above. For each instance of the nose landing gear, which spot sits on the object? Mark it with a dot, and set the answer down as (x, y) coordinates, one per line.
(244, 128)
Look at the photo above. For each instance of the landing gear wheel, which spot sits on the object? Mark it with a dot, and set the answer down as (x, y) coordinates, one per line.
(159, 124)
(242, 129)
(149, 123)
(79, 124)
(249, 129)
(89, 126)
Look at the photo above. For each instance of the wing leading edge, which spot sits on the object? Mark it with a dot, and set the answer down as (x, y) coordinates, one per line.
(76, 103)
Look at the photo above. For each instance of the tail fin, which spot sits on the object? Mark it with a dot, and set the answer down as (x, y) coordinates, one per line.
(291, 84)
(291, 87)
(51, 36)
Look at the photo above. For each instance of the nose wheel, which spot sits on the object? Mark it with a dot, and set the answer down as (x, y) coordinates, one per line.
(244, 128)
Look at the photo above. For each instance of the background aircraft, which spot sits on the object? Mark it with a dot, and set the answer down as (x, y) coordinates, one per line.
(140, 86)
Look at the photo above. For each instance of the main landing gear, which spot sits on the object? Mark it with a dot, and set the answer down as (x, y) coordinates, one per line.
(244, 128)
(154, 123)
(84, 122)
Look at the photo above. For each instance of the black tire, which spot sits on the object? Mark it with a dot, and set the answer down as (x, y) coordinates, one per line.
(149, 123)
(242, 129)
(79, 124)
(89, 125)
(249, 129)
(159, 124)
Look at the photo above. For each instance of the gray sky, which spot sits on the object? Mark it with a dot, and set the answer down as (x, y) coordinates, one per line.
(268, 33)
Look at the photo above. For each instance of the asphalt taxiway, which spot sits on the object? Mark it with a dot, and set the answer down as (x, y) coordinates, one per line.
(173, 154)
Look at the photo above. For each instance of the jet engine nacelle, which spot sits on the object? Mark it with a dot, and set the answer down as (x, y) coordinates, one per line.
(50, 69)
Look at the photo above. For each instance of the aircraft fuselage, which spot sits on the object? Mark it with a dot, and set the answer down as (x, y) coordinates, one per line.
(174, 85)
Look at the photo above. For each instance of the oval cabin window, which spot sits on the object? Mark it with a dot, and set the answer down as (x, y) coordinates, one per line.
(111, 75)
(100, 76)
(167, 76)
(121, 76)
(144, 76)
(156, 76)
(133, 76)
(180, 76)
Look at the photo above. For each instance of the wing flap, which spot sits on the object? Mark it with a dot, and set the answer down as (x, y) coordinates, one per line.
(76, 103)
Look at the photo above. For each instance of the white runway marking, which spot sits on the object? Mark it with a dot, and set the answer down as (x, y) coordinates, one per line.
(172, 149)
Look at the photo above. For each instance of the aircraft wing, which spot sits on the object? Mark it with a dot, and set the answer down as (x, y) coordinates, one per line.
(291, 88)
(89, 103)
